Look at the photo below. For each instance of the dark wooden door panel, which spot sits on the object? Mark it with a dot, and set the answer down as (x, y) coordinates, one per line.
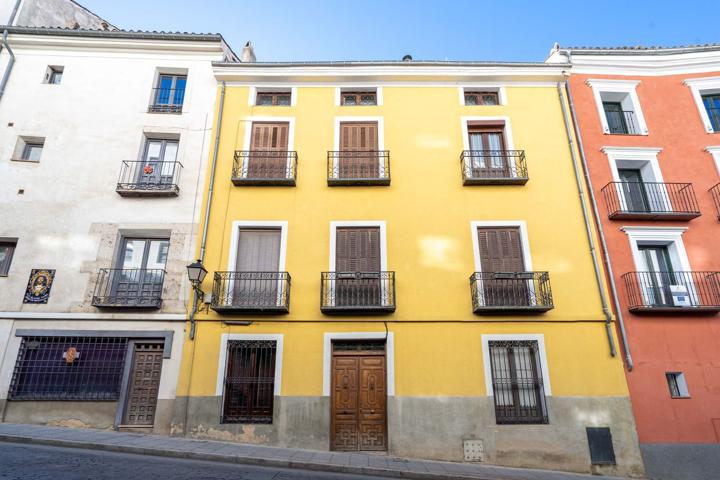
(356, 140)
(501, 251)
(359, 403)
(268, 145)
(358, 250)
(144, 384)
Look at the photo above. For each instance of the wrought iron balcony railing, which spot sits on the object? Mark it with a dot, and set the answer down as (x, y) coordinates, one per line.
(621, 122)
(167, 100)
(260, 167)
(346, 167)
(650, 200)
(251, 292)
(128, 288)
(149, 179)
(357, 292)
(493, 167)
(510, 292)
(668, 292)
(715, 192)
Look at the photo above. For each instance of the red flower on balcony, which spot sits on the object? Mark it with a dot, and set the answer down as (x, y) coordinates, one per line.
(148, 169)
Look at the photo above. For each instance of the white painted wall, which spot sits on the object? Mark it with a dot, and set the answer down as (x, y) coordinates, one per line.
(92, 122)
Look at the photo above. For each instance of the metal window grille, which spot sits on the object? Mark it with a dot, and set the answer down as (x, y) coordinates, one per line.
(481, 98)
(273, 98)
(359, 98)
(517, 382)
(69, 368)
(359, 346)
(249, 381)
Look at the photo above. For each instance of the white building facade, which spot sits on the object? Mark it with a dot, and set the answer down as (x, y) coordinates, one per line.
(103, 140)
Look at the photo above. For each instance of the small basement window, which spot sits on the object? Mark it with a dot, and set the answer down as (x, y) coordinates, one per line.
(358, 97)
(276, 98)
(677, 385)
(54, 74)
(481, 97)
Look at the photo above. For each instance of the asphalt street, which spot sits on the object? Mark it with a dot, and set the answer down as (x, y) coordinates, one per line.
(37, 462)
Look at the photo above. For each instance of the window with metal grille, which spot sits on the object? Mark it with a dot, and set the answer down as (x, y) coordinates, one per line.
(481, 98)
(69, 368)
(249, 381)
(517, 382)
(278, 99)
(351, 98)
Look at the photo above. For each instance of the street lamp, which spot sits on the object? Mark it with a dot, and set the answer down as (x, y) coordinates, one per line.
(196, 273)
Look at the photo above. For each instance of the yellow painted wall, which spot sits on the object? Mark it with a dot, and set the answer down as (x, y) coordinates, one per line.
(428, 213)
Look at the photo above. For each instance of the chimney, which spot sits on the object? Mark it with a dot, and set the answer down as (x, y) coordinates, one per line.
(248, 53)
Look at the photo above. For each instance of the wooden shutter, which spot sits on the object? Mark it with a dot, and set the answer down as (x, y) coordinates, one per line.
(258, 250)
(357, 249)
(358, 136)
(500, 250)
(269, 136)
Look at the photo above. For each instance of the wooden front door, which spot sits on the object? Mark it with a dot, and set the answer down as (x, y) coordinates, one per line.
(489, 158)
(359, 400)
(501, 252)
(359, 150)
(269, 151)
(357, 266)
(143, 384)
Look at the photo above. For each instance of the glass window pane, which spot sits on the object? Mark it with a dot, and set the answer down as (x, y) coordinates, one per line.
(283, 100)
(171, 149)
(33, 152)
(153, 150)
(133, 254)
(157, 254)
(264, 99)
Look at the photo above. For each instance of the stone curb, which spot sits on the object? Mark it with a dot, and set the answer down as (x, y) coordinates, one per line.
(247, 460)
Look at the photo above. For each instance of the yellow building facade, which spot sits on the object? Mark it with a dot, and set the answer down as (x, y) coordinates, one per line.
(409, 270)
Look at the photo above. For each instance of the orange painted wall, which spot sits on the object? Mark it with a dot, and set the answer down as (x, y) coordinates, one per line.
(660, 344)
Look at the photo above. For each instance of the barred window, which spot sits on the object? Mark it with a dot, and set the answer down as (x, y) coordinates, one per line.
(481, 98)
(517, 382)
(281, 99)
(352, 98)
(249, 381)
(69, 368)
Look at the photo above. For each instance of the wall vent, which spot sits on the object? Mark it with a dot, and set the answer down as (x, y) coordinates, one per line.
(473, 450)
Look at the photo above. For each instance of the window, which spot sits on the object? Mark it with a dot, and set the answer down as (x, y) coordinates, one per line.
(619, 107)
(274, 98)
(54, 74)
(169, 94)
(7, 249)
(158, 163)
(517, 382)
(69, 368)
(353, 97)
(28, 149)
(712, 107)
(32, 152)
(249, 381)
(479, 97)
(677, 385)
(257, 265)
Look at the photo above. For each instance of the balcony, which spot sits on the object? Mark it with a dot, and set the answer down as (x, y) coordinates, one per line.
(358, 168)
(621, 122)
(365, 293)
(673, 292)
(493, 167)
(167, 100)
(715, 192)
(149, 179)
(263, 168)
(650, 201)
(251, 293)
(510, 292)
(128, 288)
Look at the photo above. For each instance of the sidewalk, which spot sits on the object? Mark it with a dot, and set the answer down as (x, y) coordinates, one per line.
(355, 463)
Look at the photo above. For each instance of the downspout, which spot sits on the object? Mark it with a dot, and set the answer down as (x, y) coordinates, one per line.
(588, 227)
(211, 188)
(11, 62)
(14, 12)
(601, 235)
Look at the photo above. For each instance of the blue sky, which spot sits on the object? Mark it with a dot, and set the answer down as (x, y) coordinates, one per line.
(512, 30)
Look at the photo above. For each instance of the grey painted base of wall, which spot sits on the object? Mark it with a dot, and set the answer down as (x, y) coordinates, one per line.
(435, 427)
(99, 415)
(681, 461)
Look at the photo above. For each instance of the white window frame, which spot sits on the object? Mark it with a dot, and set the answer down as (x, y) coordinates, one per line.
(617, 86)
(487, 366)
(359, 88)
(644, 158)
(235, 235)
(222, 360)
(499, 89)
(254, 90)
(247, 136)
(389, 355)
(698, 86)
(715, 152)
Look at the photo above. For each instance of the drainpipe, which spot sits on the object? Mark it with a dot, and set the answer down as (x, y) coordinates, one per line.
(14, 12)
(601, 235)
(207, 208)
(588, 228)
(11, 62)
